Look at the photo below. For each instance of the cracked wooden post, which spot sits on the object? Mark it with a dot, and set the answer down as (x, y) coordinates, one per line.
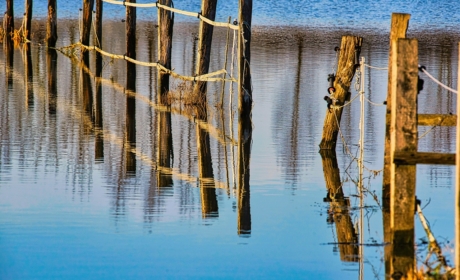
(399, 25)
(8, 21)
(208, 10)
(346, 66)
(51, 26)
(403, 139)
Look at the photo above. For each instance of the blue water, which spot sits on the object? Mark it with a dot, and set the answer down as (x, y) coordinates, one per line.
(66, 212)
(437, 15)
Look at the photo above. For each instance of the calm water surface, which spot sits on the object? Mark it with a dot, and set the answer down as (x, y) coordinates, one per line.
(94, 183)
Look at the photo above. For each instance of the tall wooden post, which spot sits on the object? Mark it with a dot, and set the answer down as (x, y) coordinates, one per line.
(457, 182)
(403, 139)
(87, 21)
(244, 58)
(350, 48)
(27, 19)
(98, 23)
(8, 21)
(165, 33)
(208, 10)
(399, 25)
(51, 26)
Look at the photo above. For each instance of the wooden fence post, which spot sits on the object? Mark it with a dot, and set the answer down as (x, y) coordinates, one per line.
(51, 27)
(457, 182)
(346, 66)
(208, 10)
(165, 33)
(98, 23)
(8, 21)
(28, 19)
(87, 21)
(403, 139)
(244, 58)
(399, 24)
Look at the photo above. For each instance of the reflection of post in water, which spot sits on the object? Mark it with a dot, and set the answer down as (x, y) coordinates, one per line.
(347, 237)
(130, 124)
(29, 76)
(165, 151)
(244, 156)
(209, 206)
(51, 65)
(98, 122)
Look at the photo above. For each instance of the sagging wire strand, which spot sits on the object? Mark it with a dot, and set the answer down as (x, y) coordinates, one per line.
(423, 70)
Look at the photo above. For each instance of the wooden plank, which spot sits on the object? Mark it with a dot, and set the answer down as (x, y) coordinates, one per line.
(436, 120)
(349, 48)
(403, 139)
(408, 158)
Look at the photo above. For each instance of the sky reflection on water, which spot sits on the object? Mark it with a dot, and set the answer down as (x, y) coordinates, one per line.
(75, 205)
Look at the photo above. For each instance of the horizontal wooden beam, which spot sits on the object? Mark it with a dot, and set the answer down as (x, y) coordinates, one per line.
(409, 158)
(436, 120)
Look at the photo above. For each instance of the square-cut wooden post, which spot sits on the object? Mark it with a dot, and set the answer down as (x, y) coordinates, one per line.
(403, 139)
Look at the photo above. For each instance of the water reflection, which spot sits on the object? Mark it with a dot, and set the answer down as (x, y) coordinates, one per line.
(175, 169)
(339, 205)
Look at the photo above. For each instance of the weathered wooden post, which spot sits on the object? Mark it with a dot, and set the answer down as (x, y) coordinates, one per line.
(165, 33)
(87, 21)
(399, 25)
(27, 20)
(51, 26)
(8, 21)
(403, 139)
(98, 24)
(131, 30)
(457, 182)
(208, 10)
(350, 49)
(244, 58)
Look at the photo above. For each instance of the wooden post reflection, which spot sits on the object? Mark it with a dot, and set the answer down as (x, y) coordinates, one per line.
(165, 151)
(98, 120)
(51, 65)
(209, 206)
(28, 76)
(347, 237)
(130, 123)
(244, 157)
